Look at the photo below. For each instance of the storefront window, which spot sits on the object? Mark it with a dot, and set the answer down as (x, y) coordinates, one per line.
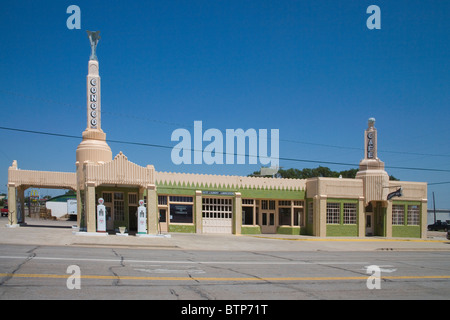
(181, 213)
(247, 215)
(284, 215)
(248, 212)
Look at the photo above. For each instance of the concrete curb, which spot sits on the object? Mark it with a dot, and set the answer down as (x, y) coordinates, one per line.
(62, 234)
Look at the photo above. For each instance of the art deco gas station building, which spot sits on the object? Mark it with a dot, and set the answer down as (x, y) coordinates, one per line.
(196, 203)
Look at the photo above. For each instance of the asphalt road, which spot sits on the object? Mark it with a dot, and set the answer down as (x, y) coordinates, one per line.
(50, 272)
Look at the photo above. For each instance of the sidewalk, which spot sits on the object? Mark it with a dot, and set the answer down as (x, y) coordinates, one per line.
(61, 233)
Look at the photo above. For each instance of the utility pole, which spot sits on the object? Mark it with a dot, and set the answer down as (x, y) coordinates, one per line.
(434, 208)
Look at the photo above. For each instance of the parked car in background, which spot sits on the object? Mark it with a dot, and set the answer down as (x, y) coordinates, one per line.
(439, 226)
(4, 211)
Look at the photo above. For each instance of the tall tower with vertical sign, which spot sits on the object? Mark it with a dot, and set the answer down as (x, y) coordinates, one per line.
(371, 168)
(93, 147)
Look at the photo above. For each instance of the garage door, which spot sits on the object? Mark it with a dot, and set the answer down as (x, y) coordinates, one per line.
(217, 215)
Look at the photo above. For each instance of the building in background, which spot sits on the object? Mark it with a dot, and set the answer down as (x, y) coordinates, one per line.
(63, 205)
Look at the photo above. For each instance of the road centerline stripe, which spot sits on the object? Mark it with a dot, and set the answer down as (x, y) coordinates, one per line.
(219, 279)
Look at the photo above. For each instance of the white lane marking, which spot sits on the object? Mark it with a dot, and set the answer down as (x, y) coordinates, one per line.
(386, 268)
(193, 262)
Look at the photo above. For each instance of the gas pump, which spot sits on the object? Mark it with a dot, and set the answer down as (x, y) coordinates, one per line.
(142, 218)
(101, 216)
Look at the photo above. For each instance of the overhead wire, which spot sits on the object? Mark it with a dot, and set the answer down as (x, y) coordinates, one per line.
(224, 153)
(143, 118)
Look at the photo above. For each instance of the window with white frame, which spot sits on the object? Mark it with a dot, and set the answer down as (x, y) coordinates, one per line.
(398, 214)
(333, 213)
(349, 213)
(413, 215)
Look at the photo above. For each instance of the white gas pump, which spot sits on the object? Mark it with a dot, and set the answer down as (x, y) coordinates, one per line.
(142, 218)
(101, 216)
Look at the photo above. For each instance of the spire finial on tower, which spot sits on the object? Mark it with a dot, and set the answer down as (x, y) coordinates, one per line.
(94, 37)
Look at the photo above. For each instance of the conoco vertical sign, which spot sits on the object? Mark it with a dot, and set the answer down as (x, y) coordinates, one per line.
(93, 102)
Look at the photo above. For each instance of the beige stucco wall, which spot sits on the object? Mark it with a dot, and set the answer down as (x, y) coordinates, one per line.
(322, 189)
(119, 171)
(41, 179)
(334, 188)
(375, 183)
(152, 210)
(413, 191)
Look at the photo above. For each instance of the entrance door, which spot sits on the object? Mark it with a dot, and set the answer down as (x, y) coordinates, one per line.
(132, 211)
(163, 226)
(379, 219)
(369, 224)
(268, 216)
(107, 196)
(115, 210)
(119, 210)
(268, 222)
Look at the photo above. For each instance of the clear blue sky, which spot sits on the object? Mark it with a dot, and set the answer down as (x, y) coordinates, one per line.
(311, 69)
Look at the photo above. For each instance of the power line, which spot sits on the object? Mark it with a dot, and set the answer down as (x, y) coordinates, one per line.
(362, 149)
(224, 153)
(144, 118)
(436, 183)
